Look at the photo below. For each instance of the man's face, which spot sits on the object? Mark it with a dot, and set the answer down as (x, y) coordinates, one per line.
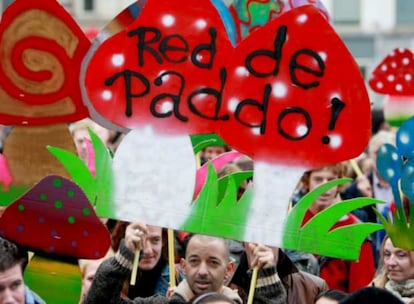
(152, 248)
(80, 137)
(206, 264)
(12, 286)
(317, 178)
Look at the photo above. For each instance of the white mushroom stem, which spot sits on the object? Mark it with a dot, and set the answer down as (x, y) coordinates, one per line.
(154, 178)
(273, 186)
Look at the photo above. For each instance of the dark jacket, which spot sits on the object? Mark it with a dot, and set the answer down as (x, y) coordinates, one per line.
(301, 287)
(111, 274)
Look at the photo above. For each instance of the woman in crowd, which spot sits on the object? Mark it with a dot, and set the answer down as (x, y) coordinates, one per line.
(396, 272)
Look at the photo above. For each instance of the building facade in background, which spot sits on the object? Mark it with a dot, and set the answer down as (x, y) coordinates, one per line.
(370, 28)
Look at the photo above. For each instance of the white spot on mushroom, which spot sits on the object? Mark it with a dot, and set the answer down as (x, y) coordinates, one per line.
(242, 71)
(404, 137)
(394, 156)
(393, 64)
(232, 105)
(279, 89)
(384, 68)
(398, 87)
(106, 95)
(390, 78)
(168, 20)
(302, 18)
(405, 61)
(323, 55)
(390, 172)
(167, 106)
(408, 77)
(201, 24)
(118, 60)
(302, 130)
(335, 141)
(165, 77)
(379, 85)
(256, 131)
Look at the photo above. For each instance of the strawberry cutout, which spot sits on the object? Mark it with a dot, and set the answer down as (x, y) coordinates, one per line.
(291, 97)
(56, 217)
(394, 75)
(165, 68)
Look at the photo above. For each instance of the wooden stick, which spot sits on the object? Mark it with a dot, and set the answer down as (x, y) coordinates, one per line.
(135, 268)
(356, 168)
(171, 256)
(252, 285)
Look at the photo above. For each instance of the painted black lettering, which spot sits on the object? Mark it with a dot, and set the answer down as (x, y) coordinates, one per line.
(144, 45)
(127, 75)
(174, 98)
(175, 44)
(275, 55)
(294, 65)
(205, 48)
(285, 115)
(218, 95)
(262, 107)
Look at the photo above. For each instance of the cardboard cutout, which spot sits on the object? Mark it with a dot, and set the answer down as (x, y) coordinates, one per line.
(56, 217)
(291, 109)
(395, 164)
(249, 15)
(393, 77)
(276, 92)
(165, 73)
(41, 51)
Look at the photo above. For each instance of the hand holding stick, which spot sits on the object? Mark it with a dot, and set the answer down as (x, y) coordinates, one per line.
(134, 238)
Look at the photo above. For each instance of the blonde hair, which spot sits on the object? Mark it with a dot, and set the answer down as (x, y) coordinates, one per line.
(381, 277)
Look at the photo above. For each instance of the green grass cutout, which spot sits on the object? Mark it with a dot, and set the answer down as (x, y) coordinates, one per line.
(317, 237)
(217, 212)
(14, 192)
(399, 229)
(97, 189)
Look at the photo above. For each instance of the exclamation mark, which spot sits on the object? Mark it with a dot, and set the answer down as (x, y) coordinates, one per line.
(337, 106)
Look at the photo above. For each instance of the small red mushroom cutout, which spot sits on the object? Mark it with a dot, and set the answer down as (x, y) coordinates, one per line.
(56, 217)
(394, 75)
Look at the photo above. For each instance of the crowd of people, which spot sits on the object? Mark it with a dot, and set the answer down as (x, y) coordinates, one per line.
(210, 269)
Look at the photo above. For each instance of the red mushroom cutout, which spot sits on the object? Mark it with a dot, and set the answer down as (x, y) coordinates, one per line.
(298, 101)
(41, 50)
(162, 76)
(56, 217)
(394, 77)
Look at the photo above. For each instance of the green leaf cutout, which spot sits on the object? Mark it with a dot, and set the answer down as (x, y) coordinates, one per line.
(400, 232)
(97, 189)
(104, 178)
(13, 193)
(316, 235)
(77, 170)
(222, 217)
(237, 177)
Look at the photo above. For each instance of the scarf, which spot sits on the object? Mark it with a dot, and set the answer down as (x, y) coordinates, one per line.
(184, 290)
(404, 290)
